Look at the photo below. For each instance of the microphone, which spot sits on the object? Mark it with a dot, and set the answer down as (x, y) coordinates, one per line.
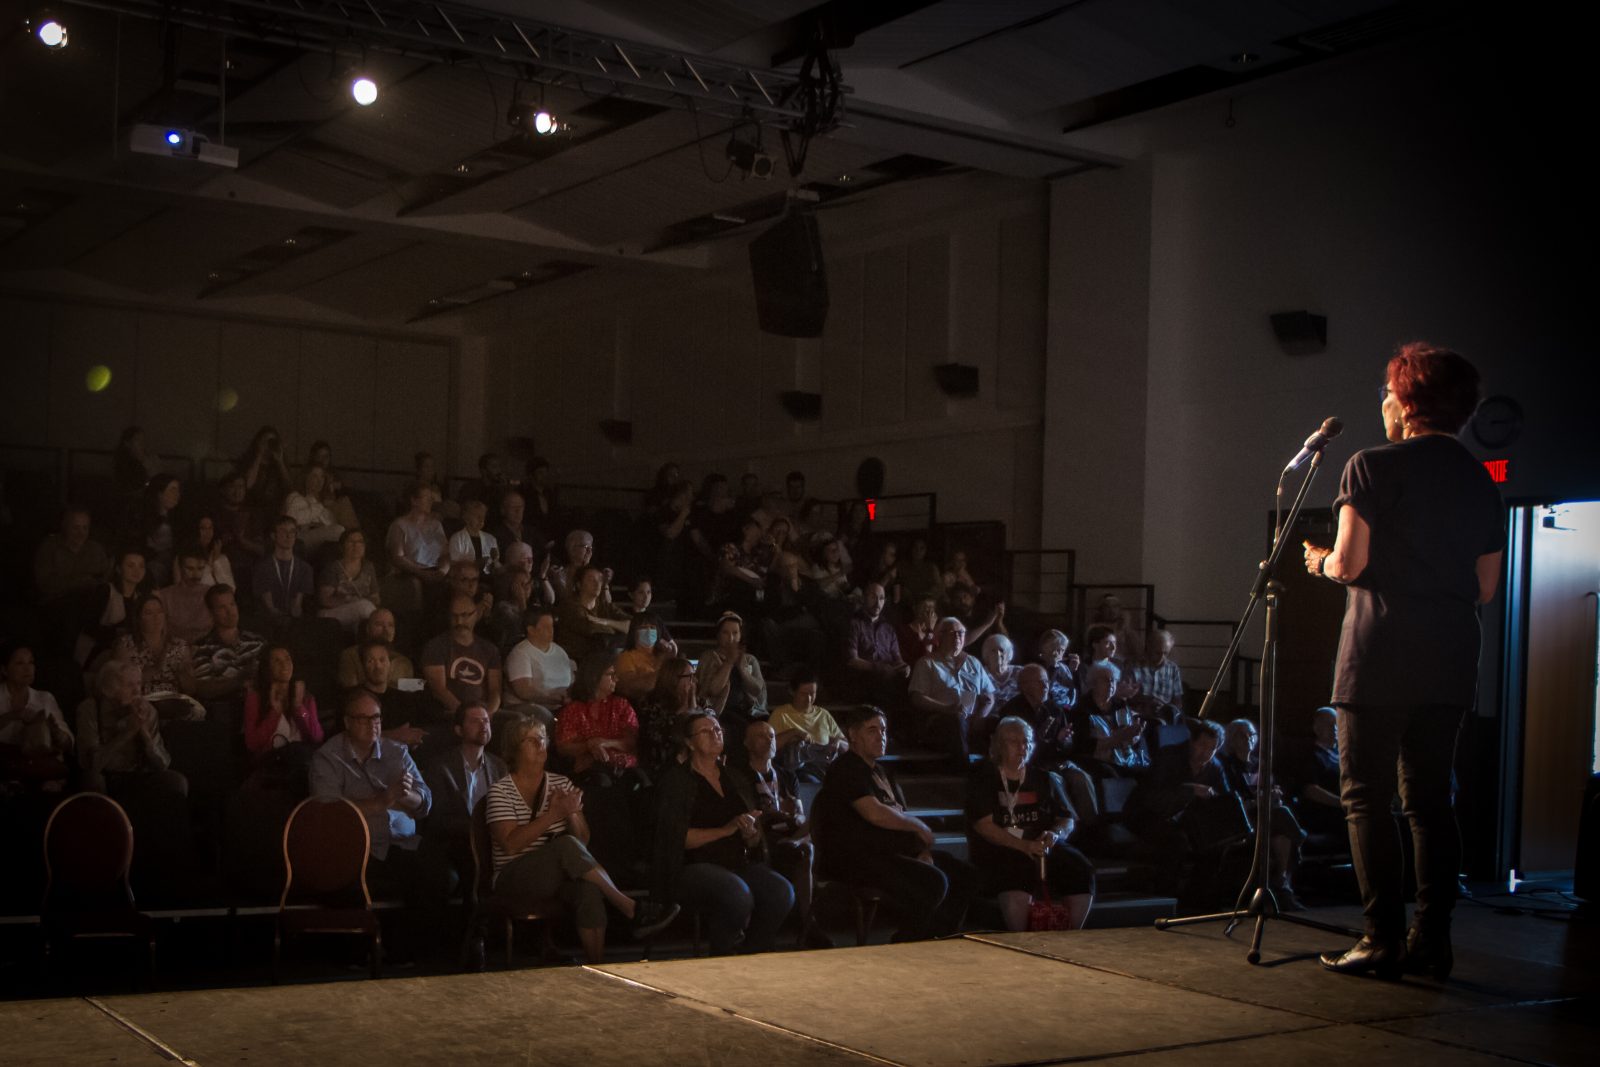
(1331, 427)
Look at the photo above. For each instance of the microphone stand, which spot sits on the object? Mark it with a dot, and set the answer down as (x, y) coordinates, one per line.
(1263, 905)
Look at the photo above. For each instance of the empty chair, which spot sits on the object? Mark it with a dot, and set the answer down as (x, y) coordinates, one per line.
(325, 848)
(88, 851)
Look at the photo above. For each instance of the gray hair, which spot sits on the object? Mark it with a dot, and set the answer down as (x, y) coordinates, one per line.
(1010, 722)
(949, 622)
(994, 641)
(1102, 667)
(1053, 639)
(111, 672)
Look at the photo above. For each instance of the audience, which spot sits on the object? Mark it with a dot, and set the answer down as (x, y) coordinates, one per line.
(219, 569)
(866, 837)
(920, 578)
(131, 465)
(185, 601)
(460, 776)
(34, 739)
(1054, 740)
(1119, 734)
(598, 729)
(673, 696)
(1241, 769)
(225, 658)
(166, 663)
(416, 543)
(806, 735)
(279, 713)
(874, 667)
(458, 665)
(472, 541)
(952, 694)
(347, 590)
(730, 680)
(1018, 823)
(1157, 677)
(579, 547)
(1061, 667)
(1183, 806)
(997, 654)
(540, 839)
(919, 633)
(69, 561)
(648, 647)
(237, 527)
(379, 626)
(783, 824)
(587, 621)
(282, 581)
(106, 610)
(150, 526)
(120, 750)
(1102, 641)
(740, 575)
(305, 506)
(539, 670)
(710, 854)
(1315, 774)
(262, 469)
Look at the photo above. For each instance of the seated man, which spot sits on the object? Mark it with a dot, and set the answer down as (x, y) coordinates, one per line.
(579, 545)
(808, 738)
(1313, 778)
(458, 665)
(874, 670)
(416, 542)
(979, 620)
(188, 618)
(380, 626)
(283, 582)
(1157, 677)
(492, 480)
(69, 561)
(472, 541)
(380, 778)
(538, 669)
(1183, 806)
(1052, 730)
(225, 657)
(460, 776)
(411, 714)
(783, 823)
(865, 836)
(951, 692)
(510, 529)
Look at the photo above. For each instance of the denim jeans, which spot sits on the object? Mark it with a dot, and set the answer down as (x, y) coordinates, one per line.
(749, 902)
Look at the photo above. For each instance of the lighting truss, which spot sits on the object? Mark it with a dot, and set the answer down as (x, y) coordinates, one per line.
(517, 47)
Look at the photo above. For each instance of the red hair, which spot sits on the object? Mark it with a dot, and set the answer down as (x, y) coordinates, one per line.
(1437, 388)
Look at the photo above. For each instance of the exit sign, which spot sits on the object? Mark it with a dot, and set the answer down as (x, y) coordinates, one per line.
(1499, 469)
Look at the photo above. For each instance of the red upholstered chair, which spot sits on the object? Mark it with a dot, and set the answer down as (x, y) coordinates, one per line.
(325, 848)
(488, 906)
(88, 851)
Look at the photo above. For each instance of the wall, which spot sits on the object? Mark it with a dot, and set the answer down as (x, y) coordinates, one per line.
(919, 276)
(376, 398)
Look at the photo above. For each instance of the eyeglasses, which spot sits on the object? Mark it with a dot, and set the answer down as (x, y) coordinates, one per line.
(709, 730)
(538, 739)
(363, 718)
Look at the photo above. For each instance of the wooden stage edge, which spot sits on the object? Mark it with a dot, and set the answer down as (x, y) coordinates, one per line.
(1139, 996)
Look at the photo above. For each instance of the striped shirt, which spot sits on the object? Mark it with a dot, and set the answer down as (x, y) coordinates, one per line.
(505, 804)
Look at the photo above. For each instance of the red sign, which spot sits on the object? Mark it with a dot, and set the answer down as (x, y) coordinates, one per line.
(872, 510)
(1499, 469)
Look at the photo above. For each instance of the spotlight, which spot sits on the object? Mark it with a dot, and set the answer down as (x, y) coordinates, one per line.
(364, 90)
(532, 117)
(52, 34)
(175, 138)
(749, 159)
(544, 123)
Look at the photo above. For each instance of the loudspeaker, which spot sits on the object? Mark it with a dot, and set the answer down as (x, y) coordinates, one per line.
(1300, 333)
(869, 478)
(957, 379)
(790, 278)
(617, 431)
(802, 407)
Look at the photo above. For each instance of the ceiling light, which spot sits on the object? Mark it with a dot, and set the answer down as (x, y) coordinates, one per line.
(52, 34)
(364, 90)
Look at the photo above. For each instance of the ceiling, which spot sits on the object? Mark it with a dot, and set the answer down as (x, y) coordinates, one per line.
(428, 208)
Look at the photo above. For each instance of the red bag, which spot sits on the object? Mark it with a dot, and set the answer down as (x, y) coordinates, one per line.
(1045, 914)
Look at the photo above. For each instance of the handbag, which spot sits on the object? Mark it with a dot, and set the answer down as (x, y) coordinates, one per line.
(1044, 913)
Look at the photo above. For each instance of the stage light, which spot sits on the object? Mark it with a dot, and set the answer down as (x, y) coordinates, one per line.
(364, 91)
(52, 34)
(97, 378)
(544, 123)
(174, 138)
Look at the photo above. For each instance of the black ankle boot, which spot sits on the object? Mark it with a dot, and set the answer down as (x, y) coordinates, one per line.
(1368, 956)
(1429, 952)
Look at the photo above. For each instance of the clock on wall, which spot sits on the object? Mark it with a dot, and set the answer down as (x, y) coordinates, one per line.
(1497, 422)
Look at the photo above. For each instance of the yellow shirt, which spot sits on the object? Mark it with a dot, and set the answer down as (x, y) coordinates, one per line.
(818, 724)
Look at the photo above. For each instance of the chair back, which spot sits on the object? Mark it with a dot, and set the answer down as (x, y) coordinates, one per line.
(88, 850)
(1114, 794)
(482, 853)
(325, 848)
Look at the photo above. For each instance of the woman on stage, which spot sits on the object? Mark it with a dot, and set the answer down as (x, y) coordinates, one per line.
(1421, 534)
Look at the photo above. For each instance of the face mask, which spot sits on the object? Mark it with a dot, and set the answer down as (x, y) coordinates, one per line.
(647, 639)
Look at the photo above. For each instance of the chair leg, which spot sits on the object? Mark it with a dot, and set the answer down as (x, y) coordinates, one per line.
(511, 942)
(377, 954)
(694, 935)
(277, 949)
(547, 945)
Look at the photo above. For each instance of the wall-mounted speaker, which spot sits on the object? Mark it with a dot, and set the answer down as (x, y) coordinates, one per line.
(1300, 333)
(801, 406)
(617, 431)
(957, 379)
(790, 278)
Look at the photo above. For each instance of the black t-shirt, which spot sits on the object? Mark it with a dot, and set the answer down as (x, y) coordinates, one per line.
(843, 836)
(709, 812)
(1030, 806)
(1410, 632)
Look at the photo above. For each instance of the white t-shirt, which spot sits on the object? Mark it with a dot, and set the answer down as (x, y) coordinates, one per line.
(549, 670)
(11, 731)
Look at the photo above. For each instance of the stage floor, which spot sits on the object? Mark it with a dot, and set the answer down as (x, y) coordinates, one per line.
(1525, 991)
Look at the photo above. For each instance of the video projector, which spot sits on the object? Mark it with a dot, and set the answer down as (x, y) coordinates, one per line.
(181, 144)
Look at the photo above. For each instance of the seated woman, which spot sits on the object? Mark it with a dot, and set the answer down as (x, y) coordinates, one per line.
(278, 712)
(119, 738)
(540, 843)
(1241, 769)
(34, 739)
(884, 570)
(219, 570)
(150, 526)
(730, 680)
(334, 495)
(674, 695)
(792, 615)
(347, 589)
(1061, 666)
(710, 855)
(109, 607)
(740, 575)
(165, 662)
(831, 569)
(956, 573)
(647, 646)
(998, 652)
(1018, 824)
(1119, 741)
(266, 476)
(805, 733)
(472, 541)
(917, 633)
(305, 506)
(587, 621)
(599, 728)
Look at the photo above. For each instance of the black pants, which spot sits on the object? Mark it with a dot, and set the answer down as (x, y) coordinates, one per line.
(1411, 748)
(932, 898)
